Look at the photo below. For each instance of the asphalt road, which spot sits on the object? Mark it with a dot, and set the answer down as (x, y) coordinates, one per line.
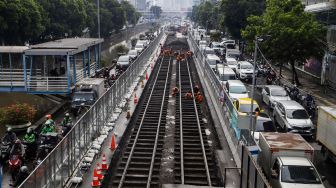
(325, 168)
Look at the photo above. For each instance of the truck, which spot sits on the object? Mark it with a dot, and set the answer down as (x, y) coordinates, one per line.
(326, 131)
(87, 92)
(286, 159)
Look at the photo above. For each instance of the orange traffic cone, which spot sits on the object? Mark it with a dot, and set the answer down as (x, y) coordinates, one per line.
(99, 174)
(95, 182)
(135, 99)
(104, 165)
(113, 144)
(146, 75)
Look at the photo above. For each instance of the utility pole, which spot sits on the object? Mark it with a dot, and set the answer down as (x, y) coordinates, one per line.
(98, 18)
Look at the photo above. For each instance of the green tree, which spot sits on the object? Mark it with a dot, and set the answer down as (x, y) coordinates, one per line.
(65, 17)
(132, 15)
(156, 10)
(20, 21)
(295, 35)
(112, 17)
(235, 13)
(207, 15)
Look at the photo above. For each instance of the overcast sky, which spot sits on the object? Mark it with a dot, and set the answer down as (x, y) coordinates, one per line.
(174, 4)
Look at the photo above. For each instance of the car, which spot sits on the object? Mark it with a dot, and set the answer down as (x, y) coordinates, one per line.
(124, 61)
(243, 106)
(263, 124)
(232, 53)
(292, 117)
(225, 73)
(213, 60)
(144, 42)
(232, 63)
(236, 89)
(228, 41)
(202, 42)
(218, 48)
(133, 54)
(202, 47)
(139, 47)
(244, 70)
(273, 93)
(208, 50)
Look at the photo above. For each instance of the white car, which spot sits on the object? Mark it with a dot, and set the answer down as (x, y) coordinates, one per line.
(124, 61)
(144, 42)
(139, 47)
(225, 73)
(236, 89)
(133, 54)
(213, 60)
(272, 94)
(244, 70)
(202, 42)
(232, 63)
(292, 117)
(218, 47)
(208, 51)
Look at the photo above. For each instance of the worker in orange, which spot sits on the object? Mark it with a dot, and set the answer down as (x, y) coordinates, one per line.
(171, 53)
(199, 97)
(175, 91)
(178, 58)
(189, 54)
(188, 95)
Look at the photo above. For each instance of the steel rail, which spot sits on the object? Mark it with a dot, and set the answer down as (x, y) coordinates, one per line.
(199, 129)
(158, 128)
(138, 132)
(181, 127)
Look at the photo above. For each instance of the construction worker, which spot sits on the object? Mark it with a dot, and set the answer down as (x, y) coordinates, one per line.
(178, 58)
(49, 119)
(189, 54)
(196, 89)
(188, 95)
(48, 128)
(199, 97)
(175, 91)
(67, 119)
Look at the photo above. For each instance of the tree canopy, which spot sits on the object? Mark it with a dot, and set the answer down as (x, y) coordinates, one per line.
(295, 35)
(20, 21)
(156, 10)
(206, 14)
(41, 20)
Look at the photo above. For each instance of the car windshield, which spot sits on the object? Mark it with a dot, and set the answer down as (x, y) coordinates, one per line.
(226, 77)
(123, 58)
(210, 52)
(218, 46)
(279, 92)
(247, 66)
(212, 62)
(233, 56)
(238, 89)
(132, 52)
(139, 46)
(299, 174)
(232, 62)
(297, 114)
(83, 97)
(202, 43)
(246, 108)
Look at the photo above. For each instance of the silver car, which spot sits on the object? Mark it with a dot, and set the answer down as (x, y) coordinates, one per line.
(272, 93)
(292, 117)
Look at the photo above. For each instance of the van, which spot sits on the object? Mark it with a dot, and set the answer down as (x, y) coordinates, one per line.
(225, 73)
(213, 60)
(236, 89)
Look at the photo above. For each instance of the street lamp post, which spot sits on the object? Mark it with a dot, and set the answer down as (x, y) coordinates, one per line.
(253, 84)
(98, 18)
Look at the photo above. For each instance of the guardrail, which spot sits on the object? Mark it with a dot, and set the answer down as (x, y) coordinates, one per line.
(14, 77)
(47, 83)
(251, 174)
(61, 163)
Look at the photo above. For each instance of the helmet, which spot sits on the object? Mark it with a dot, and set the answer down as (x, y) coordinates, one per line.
(9, 129)
(24, 169)
(48, 116)
(67, 114)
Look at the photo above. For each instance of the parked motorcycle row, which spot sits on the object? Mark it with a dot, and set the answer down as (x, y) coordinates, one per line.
(305, 99)
(17, 153)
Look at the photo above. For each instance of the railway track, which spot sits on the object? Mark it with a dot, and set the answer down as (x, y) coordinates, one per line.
(140, 163)
(193, 156)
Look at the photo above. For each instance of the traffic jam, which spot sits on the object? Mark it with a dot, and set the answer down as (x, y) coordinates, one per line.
(290, 128)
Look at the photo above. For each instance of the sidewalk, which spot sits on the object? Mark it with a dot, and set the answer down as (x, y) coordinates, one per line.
(323, 95)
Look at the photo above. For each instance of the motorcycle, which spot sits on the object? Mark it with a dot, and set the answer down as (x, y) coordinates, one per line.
(42, 153)
(66, 129)
(30, 149)
(294, 93)
(15, 163)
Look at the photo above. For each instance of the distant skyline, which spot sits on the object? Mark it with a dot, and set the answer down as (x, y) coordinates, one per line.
(172, 4)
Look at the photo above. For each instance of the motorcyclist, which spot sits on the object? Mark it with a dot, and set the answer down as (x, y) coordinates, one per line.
(29, 136)
(271, 77)
(10, 136)
(17, 149)
(48, 128)
(22, 175)
(49, 119)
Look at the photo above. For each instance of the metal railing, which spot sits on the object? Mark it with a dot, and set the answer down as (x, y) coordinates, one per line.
(47, 83)
(61, 163)
(229, 114)
(14, 77)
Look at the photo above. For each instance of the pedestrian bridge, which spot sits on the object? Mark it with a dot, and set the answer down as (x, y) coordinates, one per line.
(49, 68)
